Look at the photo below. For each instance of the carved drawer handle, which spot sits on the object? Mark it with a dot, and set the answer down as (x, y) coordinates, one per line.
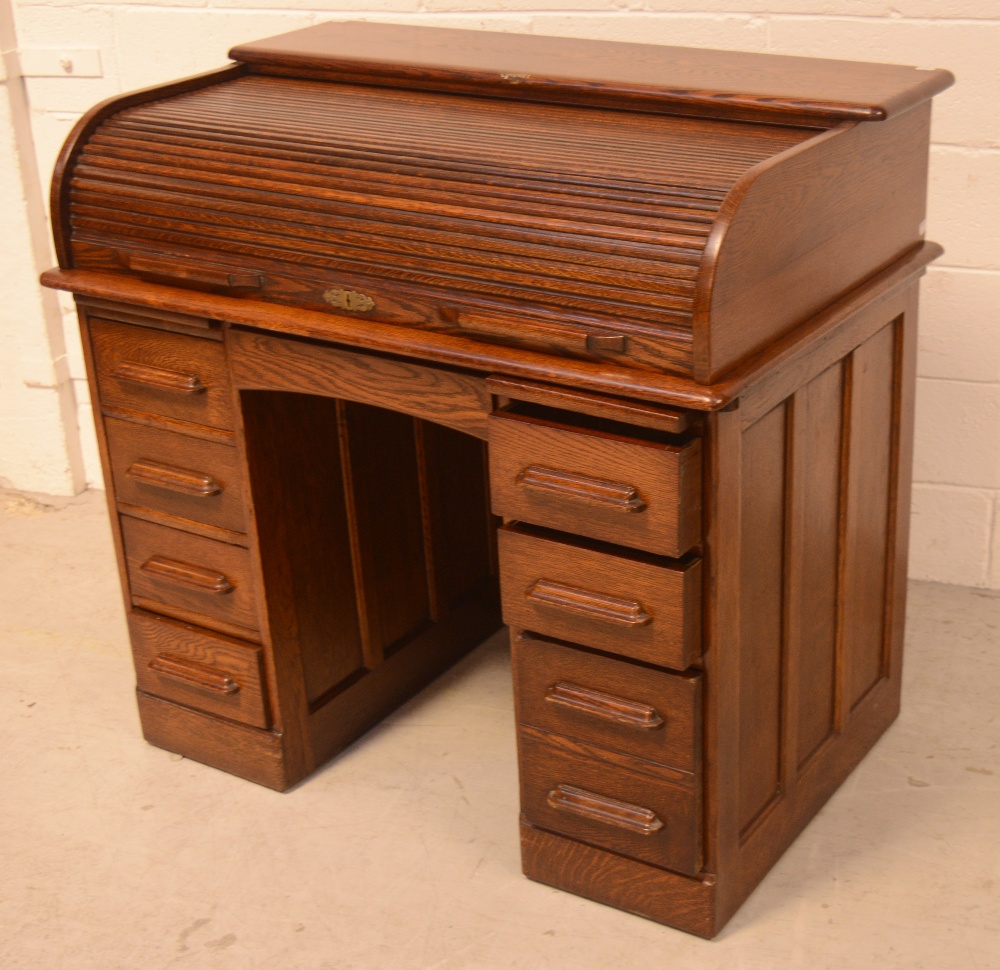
(184, 574)
(173, 479)
(597, 605)
(193, 673)
(159, 377)
(601, 808)
(597, 491)
(598, 704)
(194, 273)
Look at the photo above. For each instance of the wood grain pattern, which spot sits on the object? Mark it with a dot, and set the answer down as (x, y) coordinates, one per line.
(663, 388)
(579, 792)
(264, 362)
(860, 201)
(219, 591)
(866, 528)
(292, 447)
(339, 270)
(176, 474)
(364, 186)
(643, 76)
(596, 405)
(168, 374)
(761, 608)
(814, 522)
(646, 609)
(661, 481)
(666, 730)
(156, 638)
(235, 748)
(657, 894)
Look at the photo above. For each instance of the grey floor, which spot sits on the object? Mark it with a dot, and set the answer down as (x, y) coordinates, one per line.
(403, 852)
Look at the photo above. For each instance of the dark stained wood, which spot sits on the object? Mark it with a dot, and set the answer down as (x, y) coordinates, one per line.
(342, 718)
(178, 475)
(625, 707)
(657, 894)
(816, 438)
(386, 518)
(663, 388)
(596, 405)
(296, 477)
(596, 482)
(310, 306)
(646, 77)
(866, 515)
(168, 374)
(454, 399)
(753, 284)
(90, 122)
(199, 669)
(455, 488)
(609, 800)
(190, 577)
(242, 751)
(762, 543)
(601, 597)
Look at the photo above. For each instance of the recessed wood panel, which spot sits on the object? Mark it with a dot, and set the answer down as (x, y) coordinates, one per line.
(867, 515)
(761, 601)
(294, 459)
(457, 521)
(813, 597)
(384, 499)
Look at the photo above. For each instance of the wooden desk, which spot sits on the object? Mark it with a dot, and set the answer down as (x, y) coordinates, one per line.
(355, 302)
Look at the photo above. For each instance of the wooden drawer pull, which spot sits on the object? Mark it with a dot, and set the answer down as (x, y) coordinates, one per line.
(607, 706)
(597, 605)
(174, 479)
(193, 673)
(183, 272)
(600, 808)
(159, 377)
(184, 574)
(596, 491)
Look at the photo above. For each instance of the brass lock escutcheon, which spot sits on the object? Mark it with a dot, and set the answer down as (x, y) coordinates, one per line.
(349, 300)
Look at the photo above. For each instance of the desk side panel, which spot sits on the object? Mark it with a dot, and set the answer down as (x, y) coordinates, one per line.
(804, 671)
(802, 230)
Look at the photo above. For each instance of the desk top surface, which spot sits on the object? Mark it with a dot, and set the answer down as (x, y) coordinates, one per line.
(651, 77)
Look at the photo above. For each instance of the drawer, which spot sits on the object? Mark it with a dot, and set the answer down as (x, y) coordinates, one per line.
(165, 373)
(616, 704)
(574, 790)
(632, 605)
(188, 477)
(190, 577)
(645, 494)
(199, 669)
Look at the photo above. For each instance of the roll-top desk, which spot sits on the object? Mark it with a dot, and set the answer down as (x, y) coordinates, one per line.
(394, 330)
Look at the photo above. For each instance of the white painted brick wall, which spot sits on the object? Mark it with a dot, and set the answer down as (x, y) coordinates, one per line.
(956, 516)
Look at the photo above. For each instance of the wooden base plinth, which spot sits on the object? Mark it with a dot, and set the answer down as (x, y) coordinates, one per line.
(243, 751)
(657, 894)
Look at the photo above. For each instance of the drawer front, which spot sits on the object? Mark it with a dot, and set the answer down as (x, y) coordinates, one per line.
(641, 609)
(175, 473)
(164, 373)
(612, 703)
(207, 671)
(569, 789)
(642, 494)
(190, 577)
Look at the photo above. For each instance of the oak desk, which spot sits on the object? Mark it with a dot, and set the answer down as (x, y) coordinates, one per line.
(356, 301)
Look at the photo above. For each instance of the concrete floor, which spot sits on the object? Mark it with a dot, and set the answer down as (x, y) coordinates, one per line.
(403, 852)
